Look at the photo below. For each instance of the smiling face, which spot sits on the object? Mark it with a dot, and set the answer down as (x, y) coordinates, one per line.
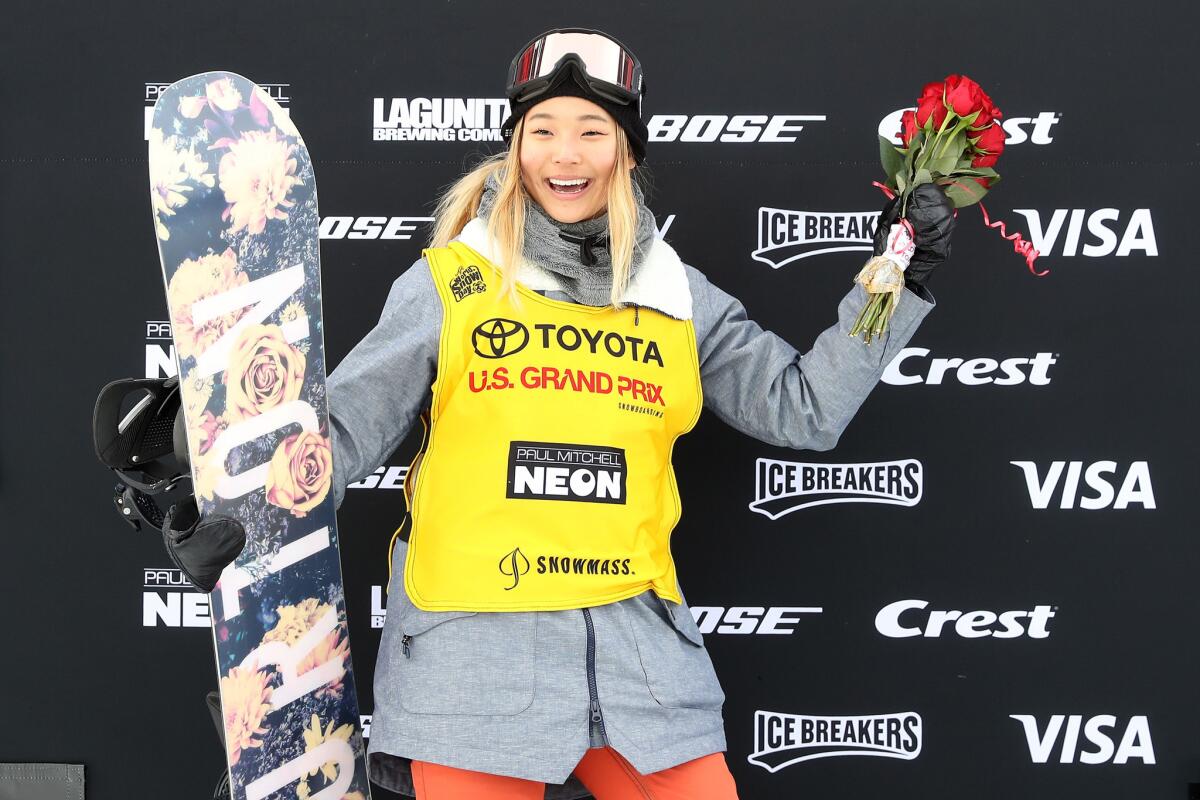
(568, 148)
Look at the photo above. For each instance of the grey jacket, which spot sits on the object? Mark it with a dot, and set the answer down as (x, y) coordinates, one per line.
(508, 693)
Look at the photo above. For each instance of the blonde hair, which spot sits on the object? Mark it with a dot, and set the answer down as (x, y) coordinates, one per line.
(506, 220)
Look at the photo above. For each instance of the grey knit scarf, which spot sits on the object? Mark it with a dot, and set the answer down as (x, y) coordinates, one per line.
(576, 252)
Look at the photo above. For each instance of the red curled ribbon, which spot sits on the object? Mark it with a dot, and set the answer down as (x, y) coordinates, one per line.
(1020, 246)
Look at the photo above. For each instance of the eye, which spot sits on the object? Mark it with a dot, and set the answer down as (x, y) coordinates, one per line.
(539, 130)
(598, 133)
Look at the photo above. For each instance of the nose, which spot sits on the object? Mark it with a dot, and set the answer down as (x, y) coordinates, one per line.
(567, 151)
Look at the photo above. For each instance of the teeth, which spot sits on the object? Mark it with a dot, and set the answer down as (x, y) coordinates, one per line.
(576, 182)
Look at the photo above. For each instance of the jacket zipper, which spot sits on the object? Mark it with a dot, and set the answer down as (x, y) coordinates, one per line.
(596, 733)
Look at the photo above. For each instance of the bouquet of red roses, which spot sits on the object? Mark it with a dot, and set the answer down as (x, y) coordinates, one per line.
(953, 139)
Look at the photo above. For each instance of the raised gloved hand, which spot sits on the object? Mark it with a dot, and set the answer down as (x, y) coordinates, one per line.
(932, 216)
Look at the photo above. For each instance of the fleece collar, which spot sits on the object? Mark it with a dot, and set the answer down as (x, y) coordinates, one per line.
(660, 282)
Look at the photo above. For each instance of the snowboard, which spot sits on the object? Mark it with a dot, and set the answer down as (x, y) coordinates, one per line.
(235, 215)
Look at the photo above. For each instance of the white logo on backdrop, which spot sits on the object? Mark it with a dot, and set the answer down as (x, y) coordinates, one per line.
(170, 601)
(967, 624)
(785, 236)
(371, 227)
(479, 119)
(1135, 485)
(781, 487)
(968, 372)
(378, 607)
(1062, 731)
(160, 350)
(746, 620)
(1136, 231)
(384, 477)
(438, 119)
(781, 740)
(738, 129)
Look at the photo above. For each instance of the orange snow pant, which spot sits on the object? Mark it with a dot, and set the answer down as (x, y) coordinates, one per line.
(603, 771)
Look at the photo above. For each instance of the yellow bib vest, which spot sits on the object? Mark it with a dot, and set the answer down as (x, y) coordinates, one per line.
(547, 481)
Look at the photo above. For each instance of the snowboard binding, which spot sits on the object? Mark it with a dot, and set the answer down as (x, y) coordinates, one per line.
(140, 434)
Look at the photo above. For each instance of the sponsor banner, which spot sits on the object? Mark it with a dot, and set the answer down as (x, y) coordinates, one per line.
(737, 129)
(781, 740)
(514, 564)
(438, 119)
(160, 350)
(479, 119)
(378, 607)
(781, 487)
(1062, 478)
(401, 228)
(280, 92)
(500, 337)
(912, 365)
(594, 381)
(1110, 232)
(746, 620)
(785, 236)
(572, 472)
(1018, 130)
(383, 478)
(1099, 739)
(170, 601)
(905, 619)
(661, 230)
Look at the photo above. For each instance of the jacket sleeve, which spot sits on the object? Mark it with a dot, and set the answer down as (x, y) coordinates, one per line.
(762, 386)
(378, 390)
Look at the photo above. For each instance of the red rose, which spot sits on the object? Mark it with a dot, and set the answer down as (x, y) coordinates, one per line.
(990, 140)
(985, 161)
(991, 107)
(988, 114)
(931, 105)
(908, 127)
(932, 89)
(984, 118)
(963, 95)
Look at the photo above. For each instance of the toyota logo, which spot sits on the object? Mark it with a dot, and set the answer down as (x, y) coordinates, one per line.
(499, 337)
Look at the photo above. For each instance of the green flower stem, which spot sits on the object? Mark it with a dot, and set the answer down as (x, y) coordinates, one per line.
(864, 317)
(927, 150)
(962, 124)
(873, 320)
(875, 316)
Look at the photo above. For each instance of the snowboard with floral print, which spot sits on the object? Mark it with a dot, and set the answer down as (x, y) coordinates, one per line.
(235, 214)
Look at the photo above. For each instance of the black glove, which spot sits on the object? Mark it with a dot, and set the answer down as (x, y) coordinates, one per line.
(932, 216)
(201, 546)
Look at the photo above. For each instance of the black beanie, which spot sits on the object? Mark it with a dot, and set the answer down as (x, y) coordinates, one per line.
(569, 84)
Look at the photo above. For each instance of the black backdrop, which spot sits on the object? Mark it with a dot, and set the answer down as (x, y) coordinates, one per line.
(106, 659)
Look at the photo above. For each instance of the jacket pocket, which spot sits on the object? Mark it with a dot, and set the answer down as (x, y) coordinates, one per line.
(464, 662)
(679, 673)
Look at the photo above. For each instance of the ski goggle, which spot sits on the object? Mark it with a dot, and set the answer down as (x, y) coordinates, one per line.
(607, 66)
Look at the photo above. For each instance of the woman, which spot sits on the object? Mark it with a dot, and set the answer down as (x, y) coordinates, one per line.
(537, 641)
